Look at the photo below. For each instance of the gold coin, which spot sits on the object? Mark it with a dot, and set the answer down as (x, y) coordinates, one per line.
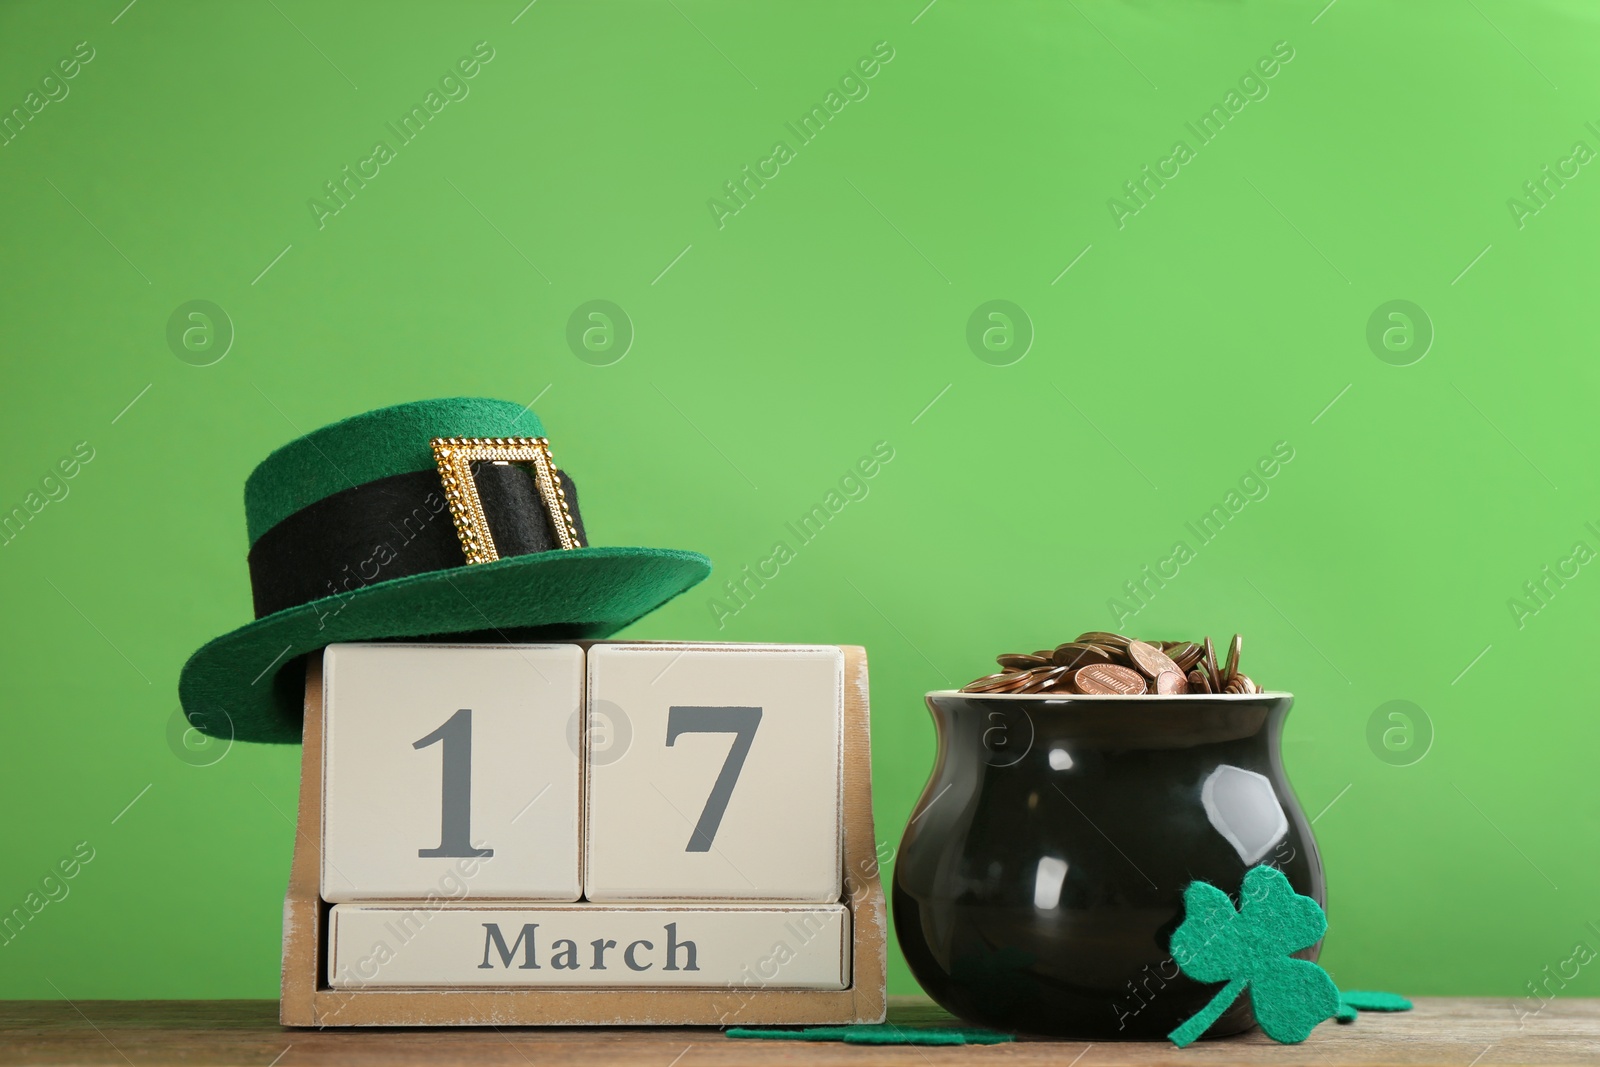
(1185, 654)
(1150, 660)
(1106, 679)
(1104, 637)
(989, 683)
(1043, 678)
(1080, 654)
(1171, 682)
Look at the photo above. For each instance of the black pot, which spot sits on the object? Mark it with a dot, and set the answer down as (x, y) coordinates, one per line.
(1042, 874)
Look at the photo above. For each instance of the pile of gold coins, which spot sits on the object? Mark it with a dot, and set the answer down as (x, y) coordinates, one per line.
(1106, 664)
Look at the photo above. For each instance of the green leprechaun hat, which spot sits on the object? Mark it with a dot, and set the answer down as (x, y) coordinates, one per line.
(425, 520)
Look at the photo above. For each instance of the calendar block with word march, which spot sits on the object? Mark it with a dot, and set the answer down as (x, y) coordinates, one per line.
(627, 833)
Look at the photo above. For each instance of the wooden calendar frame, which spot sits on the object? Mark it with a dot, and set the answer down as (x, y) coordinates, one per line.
(308, 1000)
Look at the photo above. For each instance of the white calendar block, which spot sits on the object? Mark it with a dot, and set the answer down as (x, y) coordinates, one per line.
(734, 949)
(721, 779)
(451, 772)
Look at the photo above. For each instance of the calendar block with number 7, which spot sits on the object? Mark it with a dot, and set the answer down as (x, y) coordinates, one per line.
(729, 787)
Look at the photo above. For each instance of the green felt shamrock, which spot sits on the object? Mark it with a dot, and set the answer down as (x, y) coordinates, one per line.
(1354, 1000)
(881, 1034)
(1251, 948)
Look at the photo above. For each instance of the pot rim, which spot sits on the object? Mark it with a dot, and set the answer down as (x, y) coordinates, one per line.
(1063, 698)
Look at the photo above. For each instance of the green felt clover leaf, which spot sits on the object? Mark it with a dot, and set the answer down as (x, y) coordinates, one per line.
(880, 1034)
(1252, 949)
(1371, 1000)
(1354, 1000)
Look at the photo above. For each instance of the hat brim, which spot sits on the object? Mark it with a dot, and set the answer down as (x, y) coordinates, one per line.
(248, 685)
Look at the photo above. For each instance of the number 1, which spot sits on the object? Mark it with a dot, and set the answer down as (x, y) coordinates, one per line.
(455, 790)
(742, 723)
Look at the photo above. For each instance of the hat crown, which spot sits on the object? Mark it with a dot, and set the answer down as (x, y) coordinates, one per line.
(367, 447)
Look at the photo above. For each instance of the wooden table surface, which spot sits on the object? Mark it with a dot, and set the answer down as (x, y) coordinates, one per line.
(1449, 1032)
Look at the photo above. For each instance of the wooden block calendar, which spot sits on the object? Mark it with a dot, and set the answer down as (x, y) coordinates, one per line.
(584, 833)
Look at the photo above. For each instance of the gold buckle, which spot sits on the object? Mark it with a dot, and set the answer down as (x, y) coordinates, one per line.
(455, 456)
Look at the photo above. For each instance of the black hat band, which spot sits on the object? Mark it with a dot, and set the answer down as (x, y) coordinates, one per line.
(399, 526)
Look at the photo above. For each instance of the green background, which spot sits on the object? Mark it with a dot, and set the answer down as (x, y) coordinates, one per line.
(1229, 314)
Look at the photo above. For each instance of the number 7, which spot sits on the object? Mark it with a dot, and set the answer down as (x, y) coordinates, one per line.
(742, 723)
